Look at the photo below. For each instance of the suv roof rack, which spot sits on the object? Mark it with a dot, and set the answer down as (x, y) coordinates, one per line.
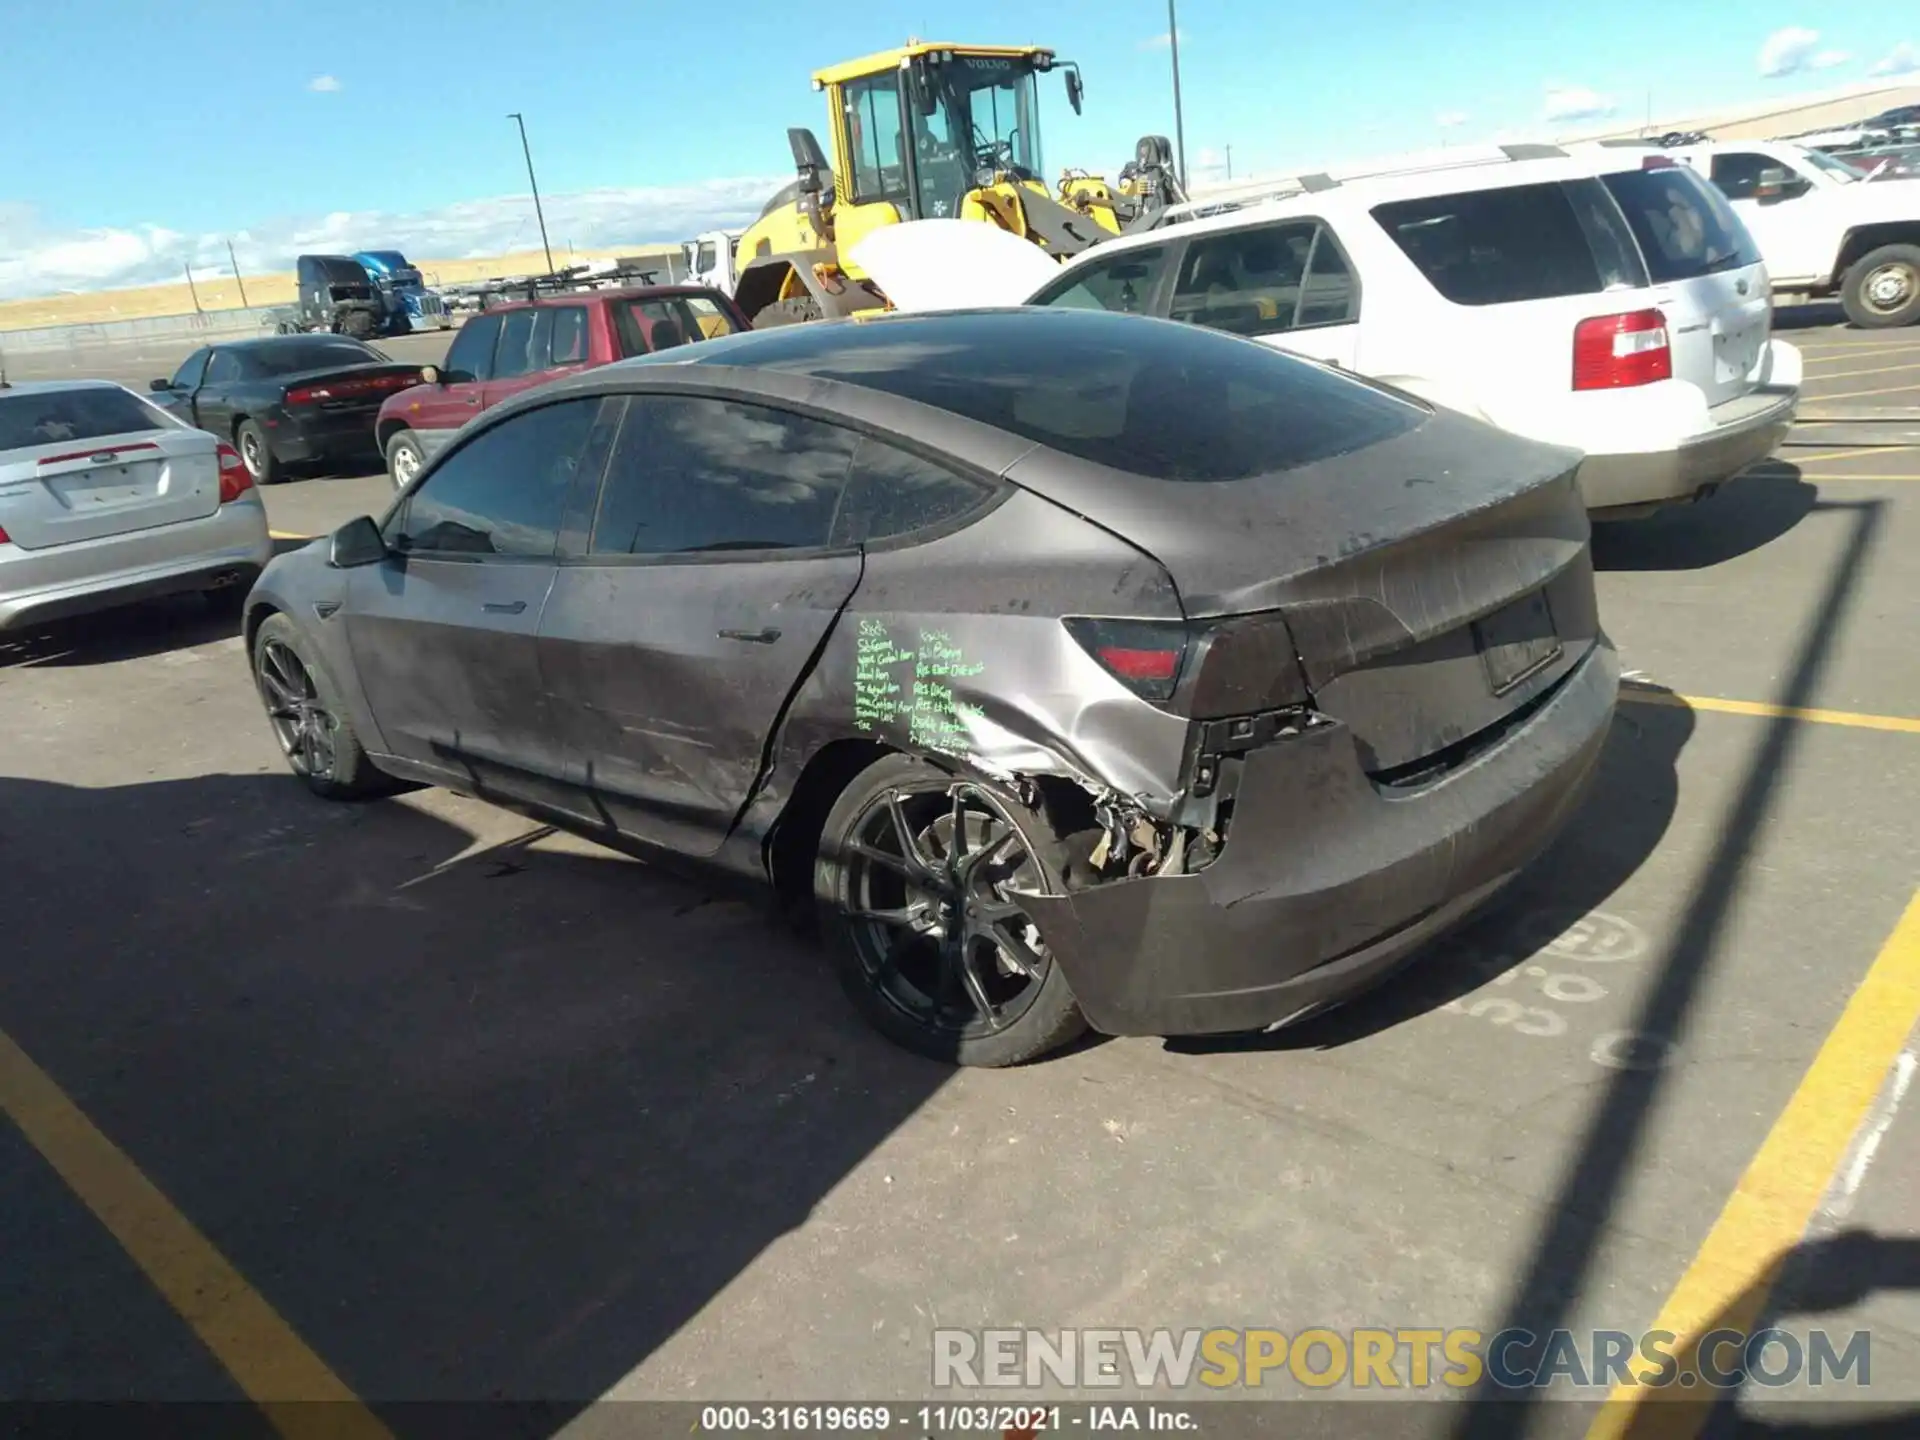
(1319, 181)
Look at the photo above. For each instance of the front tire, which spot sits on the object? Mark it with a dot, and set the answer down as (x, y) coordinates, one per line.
(256, 454)
(926, 933)
(1882, 288)
(404, 458)
(308, 720)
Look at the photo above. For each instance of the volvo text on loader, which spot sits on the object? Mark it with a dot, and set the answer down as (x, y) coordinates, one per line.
(930, 132)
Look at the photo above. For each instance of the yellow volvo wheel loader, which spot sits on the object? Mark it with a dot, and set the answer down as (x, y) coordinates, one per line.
(924, 132)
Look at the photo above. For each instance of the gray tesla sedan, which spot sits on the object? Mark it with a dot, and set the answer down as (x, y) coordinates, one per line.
(1073, 669)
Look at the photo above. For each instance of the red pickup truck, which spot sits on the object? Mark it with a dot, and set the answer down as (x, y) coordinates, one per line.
(514, 347)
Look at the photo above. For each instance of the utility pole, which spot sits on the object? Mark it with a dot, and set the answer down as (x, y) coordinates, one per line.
(193, 290)
(526, 150)
(1179, 120)
(1229, 162)
(236, 275)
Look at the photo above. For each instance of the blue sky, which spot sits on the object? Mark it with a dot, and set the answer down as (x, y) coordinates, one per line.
(139, 133)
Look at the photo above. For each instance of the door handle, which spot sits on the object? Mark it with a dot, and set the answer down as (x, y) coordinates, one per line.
(473, 400)
(504, 607)
(752, 637)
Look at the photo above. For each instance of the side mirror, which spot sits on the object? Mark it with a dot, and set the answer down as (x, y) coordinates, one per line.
(159, 387)
(1076, 90)
(429, 374)
(358, 542)
(1777, 182)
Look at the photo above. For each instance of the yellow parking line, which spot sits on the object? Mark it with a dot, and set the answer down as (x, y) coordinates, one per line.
(1764, 711)
(1848, 352)
(1913, 364)
(1734, 1271)
(1850, 452)
(270, 1363)
(1860, 394)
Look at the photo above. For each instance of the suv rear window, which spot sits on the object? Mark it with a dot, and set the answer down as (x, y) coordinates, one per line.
(1153, 398)
(1685, 226)
(54, 417)
(1495, 247)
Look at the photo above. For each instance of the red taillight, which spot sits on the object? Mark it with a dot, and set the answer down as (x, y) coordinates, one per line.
(234, 479)
(3, 536)
(1143, 655)
(1614, 351)
(347, 389)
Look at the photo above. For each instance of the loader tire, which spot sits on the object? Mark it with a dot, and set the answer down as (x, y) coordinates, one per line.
(796, 311)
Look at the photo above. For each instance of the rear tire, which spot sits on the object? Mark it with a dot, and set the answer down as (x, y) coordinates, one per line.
(358, 325)
(257, 454)
(1882, 288)
(798, 310)
(404, 458)
(889, 936)
(329, 759)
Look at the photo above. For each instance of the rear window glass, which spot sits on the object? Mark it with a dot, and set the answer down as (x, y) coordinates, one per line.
(670, 321)
(1148, 397)
(1495, 247)
(1685, 227)
(55, 417)
(301, 355)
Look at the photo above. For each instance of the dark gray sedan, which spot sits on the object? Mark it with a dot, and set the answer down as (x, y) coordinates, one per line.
(1076, 669)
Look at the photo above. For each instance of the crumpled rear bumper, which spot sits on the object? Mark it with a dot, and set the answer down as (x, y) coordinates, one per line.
(1327, 882)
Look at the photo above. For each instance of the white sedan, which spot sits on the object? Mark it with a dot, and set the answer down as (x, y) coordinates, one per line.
(107, 499)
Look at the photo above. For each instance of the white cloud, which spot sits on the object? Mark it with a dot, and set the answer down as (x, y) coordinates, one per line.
(323, 84)
(1901, 60)
(1163, 41)
(35, 261)
(1450, 119)
(1827, 59)
(1788, 51)
(1576, 102)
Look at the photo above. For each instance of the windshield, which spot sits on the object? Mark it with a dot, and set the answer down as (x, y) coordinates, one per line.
(1838, 169)
(985, 119)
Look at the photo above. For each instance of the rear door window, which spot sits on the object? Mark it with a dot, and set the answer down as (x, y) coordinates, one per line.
(510, 355)
(569, 339)
(471, 357)
(661, 323)
(1495, 247)
(224, 367)
(1265, 280)
(1685, 227)
(894, 493)
(692, 475)
(1124, 282)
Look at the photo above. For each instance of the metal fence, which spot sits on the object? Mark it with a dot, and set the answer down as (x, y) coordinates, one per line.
(52, 339)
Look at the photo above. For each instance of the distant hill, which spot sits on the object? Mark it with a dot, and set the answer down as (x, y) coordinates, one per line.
(217, 291)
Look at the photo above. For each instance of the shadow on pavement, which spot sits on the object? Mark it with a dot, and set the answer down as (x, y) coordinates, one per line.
(1746, 513)
(487, 1130)
(1609, 838)
(131, 632)
(1822, 314)
(1609, 1151)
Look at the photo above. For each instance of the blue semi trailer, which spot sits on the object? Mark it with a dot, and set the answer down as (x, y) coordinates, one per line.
(410, 305)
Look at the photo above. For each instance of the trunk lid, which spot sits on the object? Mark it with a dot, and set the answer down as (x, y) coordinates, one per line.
(68, 491)
(347, 388)
(1431, 584)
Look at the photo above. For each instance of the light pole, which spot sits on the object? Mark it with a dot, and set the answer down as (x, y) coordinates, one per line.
(519, 120)
(1179, 121)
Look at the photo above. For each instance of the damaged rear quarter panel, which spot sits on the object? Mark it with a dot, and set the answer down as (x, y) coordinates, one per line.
(953, 648)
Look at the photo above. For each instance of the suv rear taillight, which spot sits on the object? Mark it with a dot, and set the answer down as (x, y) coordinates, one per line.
(1143, 655)
(234, 479)
(1611, 352)
(3, 536)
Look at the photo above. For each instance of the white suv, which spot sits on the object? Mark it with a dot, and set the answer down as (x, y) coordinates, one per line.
(1613, 303)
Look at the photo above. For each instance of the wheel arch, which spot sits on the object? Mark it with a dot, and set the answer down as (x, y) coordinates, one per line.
(385, 430)
(792, 845)
(1862, 240)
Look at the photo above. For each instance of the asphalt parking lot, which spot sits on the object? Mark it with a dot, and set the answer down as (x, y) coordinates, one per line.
(415, 1101)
